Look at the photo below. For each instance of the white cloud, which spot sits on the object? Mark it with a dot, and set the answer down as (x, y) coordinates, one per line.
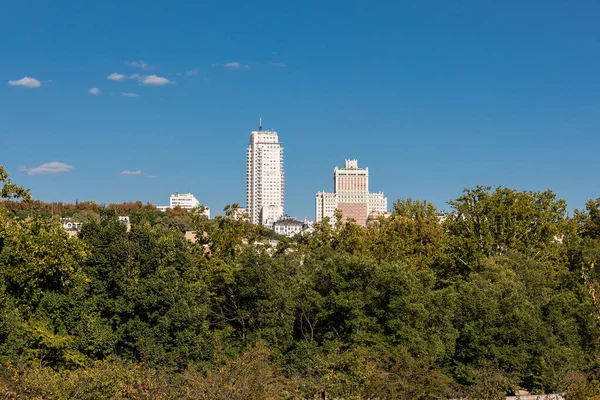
(192, 72)
(152, 176)
(138, 64)
(26, 82)
(232, 65)
(127, 94)
(116, 77)
(126, 172)
(277, 64)
(95, 91)
(154, 80)
(53, 167)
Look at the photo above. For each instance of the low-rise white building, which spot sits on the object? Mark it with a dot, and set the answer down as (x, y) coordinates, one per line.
(288, 226)
(186, 201)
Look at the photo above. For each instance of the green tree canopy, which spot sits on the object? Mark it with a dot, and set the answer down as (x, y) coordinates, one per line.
(10, 190)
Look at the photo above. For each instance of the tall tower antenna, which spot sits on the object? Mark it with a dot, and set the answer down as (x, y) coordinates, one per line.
(260, 124)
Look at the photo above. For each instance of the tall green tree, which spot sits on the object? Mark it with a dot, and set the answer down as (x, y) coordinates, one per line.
(486, 222)
(37, 255)
(148, 286)
(412, 234)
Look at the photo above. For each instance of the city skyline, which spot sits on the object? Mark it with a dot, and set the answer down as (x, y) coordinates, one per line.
(434, 97)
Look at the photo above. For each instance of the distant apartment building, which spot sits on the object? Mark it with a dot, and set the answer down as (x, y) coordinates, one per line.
(264, 177)
(184, 200)
(351, 196)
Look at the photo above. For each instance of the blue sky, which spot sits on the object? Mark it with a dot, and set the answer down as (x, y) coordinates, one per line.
(432, 96)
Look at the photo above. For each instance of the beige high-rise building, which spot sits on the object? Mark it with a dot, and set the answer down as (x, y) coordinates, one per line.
(351, 195)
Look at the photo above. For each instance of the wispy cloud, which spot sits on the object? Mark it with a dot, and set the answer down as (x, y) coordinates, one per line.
(53, 167)
(127, 172)
(116, 77)
(232, 65)
(151, 176)
(192, 72)
(151, 80)
(95, 91)
(26, 82)
(154, 80)
(138, 64)
(277, 64)
(129, 94)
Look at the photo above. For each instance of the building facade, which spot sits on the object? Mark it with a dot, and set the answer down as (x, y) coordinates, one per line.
(264, 177)
(183, 200)
(288, 226)
(351, 196)
(186, 201)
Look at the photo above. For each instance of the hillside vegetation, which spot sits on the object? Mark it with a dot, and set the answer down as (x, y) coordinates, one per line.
(501, 295)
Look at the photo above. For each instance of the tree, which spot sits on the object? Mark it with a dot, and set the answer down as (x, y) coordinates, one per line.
(413, 312)
(41, 275)
(588, 220)
(412, 234)
(250, 376)
(487, 223)
(37, 255)
(10, 190)
(225, 236)
(147, 285)
(498, 323)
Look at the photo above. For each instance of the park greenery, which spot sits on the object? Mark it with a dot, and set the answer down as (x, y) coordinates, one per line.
(500, 295)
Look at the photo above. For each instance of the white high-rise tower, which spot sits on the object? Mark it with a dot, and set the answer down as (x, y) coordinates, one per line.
(264, 177)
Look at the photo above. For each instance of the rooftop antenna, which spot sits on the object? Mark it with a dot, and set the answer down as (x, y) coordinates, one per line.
(260, 124)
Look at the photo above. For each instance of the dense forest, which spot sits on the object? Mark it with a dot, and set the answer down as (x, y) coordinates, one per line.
(499, 295)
